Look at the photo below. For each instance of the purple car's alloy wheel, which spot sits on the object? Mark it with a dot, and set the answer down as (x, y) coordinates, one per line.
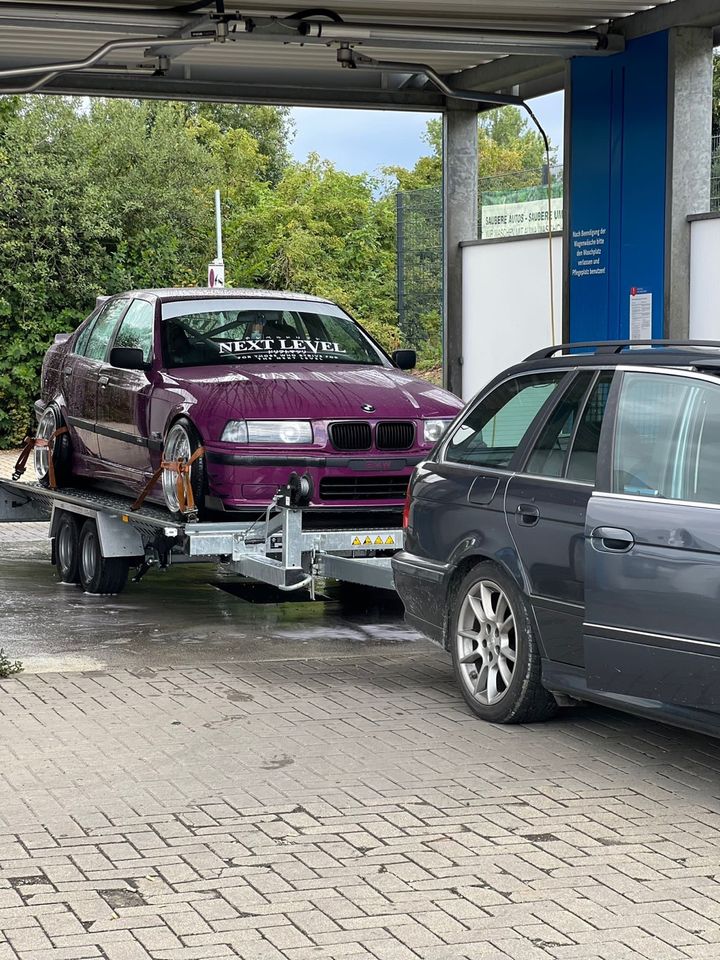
(41, 454)
(177, 445)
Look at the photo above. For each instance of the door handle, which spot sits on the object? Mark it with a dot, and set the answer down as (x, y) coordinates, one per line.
(527, 514)
(67, 371)
(614, 538)
(103, 382)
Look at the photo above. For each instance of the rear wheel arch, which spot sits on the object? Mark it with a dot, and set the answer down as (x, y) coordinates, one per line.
(493, 644)
(460, 571)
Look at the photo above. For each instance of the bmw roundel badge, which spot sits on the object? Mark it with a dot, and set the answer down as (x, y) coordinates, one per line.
(368, 408)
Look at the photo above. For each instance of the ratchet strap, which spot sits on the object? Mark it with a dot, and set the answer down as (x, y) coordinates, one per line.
(182, 467)
(29, 444)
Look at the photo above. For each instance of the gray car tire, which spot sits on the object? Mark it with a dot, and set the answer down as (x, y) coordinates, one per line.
(494, 649)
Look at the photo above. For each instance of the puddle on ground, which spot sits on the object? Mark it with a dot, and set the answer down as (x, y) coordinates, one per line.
(187, 614)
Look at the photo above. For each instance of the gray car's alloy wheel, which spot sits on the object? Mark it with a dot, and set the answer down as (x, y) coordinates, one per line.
(494, 650)
(59, 449)
(182, 440)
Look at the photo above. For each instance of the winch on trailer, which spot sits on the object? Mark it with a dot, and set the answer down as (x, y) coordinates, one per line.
(98, 537)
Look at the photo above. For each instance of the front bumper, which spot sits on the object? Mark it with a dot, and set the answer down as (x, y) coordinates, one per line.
(250, 480)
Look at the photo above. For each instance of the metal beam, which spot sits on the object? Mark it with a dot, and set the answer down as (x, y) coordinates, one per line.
(228, 90)
(506, 73)
(679, 13)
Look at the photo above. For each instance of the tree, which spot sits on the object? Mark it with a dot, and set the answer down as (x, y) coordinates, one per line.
(321, 231)
(113, 195)
(506, 142)
(272, 128)
(102, 198)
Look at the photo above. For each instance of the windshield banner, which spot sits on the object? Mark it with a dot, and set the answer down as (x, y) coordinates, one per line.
(279, 348)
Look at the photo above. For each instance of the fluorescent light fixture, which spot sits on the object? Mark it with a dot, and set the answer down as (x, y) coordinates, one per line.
(456, 39)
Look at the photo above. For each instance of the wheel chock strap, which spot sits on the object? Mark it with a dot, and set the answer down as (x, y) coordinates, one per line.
(182, 467)
(30, 443)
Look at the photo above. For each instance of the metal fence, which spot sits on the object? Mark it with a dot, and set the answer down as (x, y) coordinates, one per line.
(419, 262)
(715, 174)
(509, 204)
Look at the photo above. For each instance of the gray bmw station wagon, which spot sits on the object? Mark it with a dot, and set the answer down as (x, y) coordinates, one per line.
(563, 538)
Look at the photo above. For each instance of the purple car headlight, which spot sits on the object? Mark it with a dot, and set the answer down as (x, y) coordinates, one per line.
(434, 429)
(268, 431)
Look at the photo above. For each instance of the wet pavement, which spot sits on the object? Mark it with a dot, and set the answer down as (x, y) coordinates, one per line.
(201, 767)
(190, 614)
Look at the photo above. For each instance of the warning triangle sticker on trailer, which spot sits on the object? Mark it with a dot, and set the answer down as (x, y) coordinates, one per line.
(367, 541)
(378, 540)
(391, 541)
(356, 542)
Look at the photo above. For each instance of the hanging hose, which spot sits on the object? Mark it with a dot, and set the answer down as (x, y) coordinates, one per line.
(475, 96)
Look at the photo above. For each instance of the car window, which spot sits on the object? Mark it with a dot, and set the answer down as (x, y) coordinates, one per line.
(582, 462)
(701, 462)
(547, 458)
(202, 333)
(136, 329)
(660, 418)
(492, 430)
(96, 346)
(85, 331)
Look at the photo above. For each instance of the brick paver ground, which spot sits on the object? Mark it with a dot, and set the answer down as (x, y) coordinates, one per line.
(291, 809)
(343, 808)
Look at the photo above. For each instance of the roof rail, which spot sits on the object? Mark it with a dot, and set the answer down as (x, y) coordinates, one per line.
(617, 346)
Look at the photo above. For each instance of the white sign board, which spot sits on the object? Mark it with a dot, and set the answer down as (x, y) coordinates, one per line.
(216, 274)
(640, 314)
(517, 219)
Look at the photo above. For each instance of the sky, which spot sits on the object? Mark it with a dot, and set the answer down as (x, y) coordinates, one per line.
(360, 141)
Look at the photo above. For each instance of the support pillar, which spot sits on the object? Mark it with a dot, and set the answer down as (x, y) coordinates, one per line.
(460, 217)
(690, 73)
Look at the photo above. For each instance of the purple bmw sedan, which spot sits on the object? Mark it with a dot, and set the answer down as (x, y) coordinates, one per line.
(257, 384)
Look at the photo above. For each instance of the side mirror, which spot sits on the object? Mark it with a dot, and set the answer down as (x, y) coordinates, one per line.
(404, 359)
(128, 358)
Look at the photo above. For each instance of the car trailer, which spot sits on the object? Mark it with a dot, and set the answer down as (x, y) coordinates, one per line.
(97, 537)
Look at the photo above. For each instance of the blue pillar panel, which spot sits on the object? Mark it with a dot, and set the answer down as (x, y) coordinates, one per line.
(616, 205)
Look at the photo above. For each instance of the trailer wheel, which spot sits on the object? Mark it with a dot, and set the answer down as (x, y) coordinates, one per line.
(67, 548)
(99, 574)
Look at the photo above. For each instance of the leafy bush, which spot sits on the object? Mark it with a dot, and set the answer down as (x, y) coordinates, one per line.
(8, 667)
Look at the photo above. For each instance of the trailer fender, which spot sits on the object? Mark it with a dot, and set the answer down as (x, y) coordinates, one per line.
(117, 539)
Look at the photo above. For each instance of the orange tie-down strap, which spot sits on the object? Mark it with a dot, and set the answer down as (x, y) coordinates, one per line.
(182, 467)
(29, 444)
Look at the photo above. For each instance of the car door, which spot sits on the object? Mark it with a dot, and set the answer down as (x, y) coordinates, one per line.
(80, 376)
(124, 397)
(457, 508)
(545, 505)
(652, 549)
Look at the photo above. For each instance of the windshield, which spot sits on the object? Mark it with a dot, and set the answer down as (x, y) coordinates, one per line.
(202, 333)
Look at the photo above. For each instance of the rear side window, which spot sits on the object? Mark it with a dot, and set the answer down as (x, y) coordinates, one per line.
(97, 343)
(82, 338)
(136, 329)
(582, 463)
(548, 455)
(493, 429)
(667, 440)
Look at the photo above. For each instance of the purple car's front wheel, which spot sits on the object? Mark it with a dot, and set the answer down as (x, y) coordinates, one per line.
(182, 441)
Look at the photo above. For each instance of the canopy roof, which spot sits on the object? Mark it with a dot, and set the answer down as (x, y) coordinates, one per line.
(274, 51)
